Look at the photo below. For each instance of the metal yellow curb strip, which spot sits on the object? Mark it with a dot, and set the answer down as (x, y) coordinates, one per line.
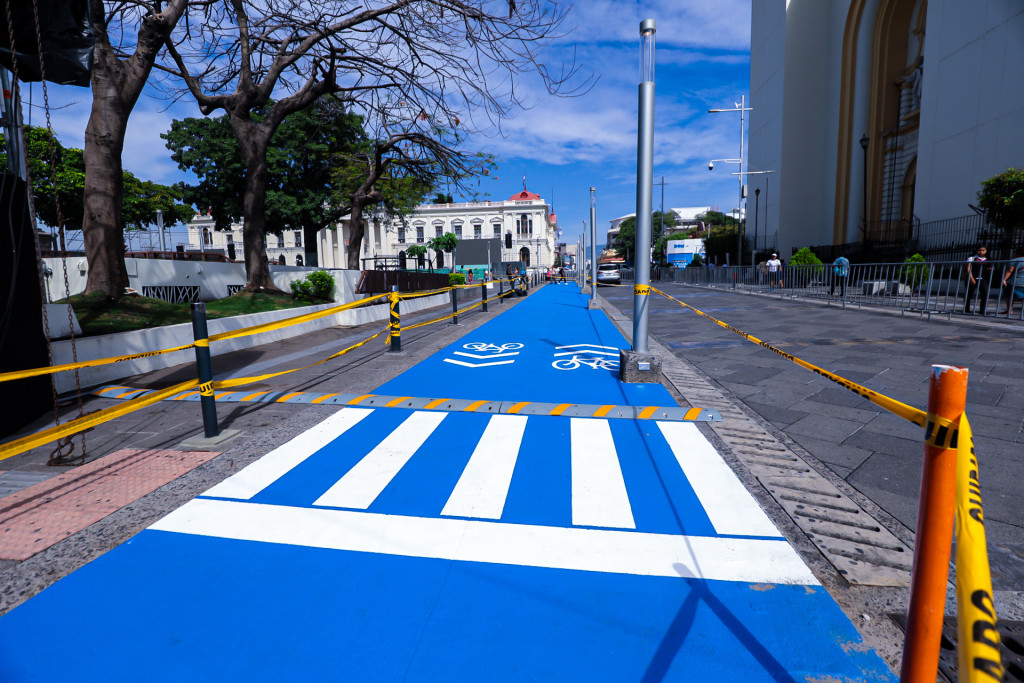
(457, 405)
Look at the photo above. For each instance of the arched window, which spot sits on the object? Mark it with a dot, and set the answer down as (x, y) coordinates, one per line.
(524, 256)
(281, 261)
(207, 240)
(298, 259)
(402, 260)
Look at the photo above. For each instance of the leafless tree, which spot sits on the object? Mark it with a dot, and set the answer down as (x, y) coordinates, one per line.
(118, 76)
(415, 69)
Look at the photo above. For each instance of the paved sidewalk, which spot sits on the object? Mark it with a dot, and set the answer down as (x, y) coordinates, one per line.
(387, 543)
(875, 452)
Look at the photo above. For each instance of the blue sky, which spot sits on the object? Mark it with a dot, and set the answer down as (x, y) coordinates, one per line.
(564, 145)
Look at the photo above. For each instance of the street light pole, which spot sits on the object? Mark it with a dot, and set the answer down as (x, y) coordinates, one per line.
(644, 186)
(740, 108)
(757, 202)
(593, 248)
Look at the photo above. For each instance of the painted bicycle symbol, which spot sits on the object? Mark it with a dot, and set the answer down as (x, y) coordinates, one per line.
(576, 362)
(492, 348)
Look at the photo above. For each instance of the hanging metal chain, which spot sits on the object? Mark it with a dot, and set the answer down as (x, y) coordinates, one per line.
(63, 453)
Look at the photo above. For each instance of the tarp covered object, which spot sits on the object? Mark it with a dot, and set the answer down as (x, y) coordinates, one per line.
(67, 40)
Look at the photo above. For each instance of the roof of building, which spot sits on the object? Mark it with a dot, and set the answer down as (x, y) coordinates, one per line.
(523, 195)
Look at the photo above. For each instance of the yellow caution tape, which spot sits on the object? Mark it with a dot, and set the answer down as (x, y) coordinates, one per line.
(417, 295)
(206, 389)
(295, 320)
(642, 290)
(89, 421)
(80, 424)
(977, 634)
(35, 372)
(437, 320)
(245, 331)
(910, 413)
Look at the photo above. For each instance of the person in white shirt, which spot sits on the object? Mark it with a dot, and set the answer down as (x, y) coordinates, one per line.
(774, 271)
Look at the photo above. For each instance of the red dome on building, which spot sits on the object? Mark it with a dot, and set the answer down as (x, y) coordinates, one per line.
(524, 195)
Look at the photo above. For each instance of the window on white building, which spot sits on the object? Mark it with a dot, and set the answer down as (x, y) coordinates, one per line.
(419, 233)
(458, 230)
(280, 242)
(401, 235)
(478, 231)
(438, 229)
(207, 238)
(298, 238)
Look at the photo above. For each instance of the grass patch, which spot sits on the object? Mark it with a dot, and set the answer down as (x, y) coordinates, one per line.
(99, 315)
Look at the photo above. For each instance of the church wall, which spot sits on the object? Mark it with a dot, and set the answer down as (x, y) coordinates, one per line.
(806, 208)
(973, 102)
(767, 78)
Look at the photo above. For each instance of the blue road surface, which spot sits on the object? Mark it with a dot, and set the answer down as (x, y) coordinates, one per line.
(388, 544)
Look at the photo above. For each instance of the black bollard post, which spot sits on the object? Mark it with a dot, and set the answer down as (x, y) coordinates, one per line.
(455, 306)
(205, 370)
(501, 290)
(483, 295)
(396, 329)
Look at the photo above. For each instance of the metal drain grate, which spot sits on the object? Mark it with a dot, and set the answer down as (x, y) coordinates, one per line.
(861, 549)
(1011, 647)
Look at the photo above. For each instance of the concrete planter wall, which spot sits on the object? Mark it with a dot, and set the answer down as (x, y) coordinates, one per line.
(139, 341)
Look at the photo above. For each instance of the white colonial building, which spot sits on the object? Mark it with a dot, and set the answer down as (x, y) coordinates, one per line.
(283, 249)
(525, 218)
(880, 116)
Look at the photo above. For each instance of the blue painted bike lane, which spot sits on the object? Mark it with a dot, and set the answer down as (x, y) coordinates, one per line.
(391, 544)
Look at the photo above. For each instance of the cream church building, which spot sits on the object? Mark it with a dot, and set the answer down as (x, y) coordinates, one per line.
(881, 118)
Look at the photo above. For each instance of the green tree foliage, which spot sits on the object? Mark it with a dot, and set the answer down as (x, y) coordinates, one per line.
(1002, 198)
(442, 198)
(721, 241)
(456, 279)
(445, 243)
(303, 181)
(58, 177)
(415, 251)
(805, 257)
(697, 261)
(713, 218)
(625, 241)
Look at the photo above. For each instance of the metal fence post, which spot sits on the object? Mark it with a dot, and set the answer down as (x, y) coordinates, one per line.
(204, 369)
(396, 328)
(947, 395)
(455, 306)
(501, 290)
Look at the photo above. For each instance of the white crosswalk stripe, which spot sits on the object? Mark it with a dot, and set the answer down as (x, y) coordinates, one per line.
(483, 486)
(364, 482)
(599, 495)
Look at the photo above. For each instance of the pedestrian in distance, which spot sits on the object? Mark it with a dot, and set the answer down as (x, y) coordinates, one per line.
(979, 279)
(840, 273)
(469, 276)
(774, 271)
(1016, 272)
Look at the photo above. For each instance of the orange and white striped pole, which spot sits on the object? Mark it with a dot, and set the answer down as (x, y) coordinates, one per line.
(947, 396)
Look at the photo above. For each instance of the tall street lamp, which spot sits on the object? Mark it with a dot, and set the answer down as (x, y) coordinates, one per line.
(864, 142)
(740, 108)
(757, 199)
(743, 174)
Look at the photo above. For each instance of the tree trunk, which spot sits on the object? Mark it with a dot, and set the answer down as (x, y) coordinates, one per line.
(116, 86)
(355, 232)
(253, 141)
(102, 228)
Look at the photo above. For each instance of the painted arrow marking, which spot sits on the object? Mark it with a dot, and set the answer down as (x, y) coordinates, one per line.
(478, 365)
(490, 355)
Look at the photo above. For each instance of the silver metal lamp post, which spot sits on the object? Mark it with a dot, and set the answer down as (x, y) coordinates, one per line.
(644, 186)
(593, 249)
(741, 107)
(160, 228)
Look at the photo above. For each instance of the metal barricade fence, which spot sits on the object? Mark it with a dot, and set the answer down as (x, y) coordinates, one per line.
(928, 288)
